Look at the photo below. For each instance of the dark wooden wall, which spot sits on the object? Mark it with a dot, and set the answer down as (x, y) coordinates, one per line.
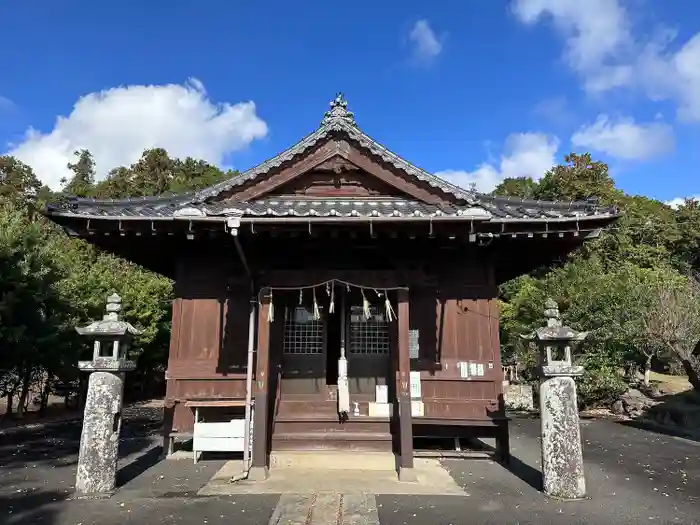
(458, 321)
(455, 312)
(209, 339)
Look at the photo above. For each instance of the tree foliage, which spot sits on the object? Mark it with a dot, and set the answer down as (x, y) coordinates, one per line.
(50, 283)
(612, 284)
(629, 288)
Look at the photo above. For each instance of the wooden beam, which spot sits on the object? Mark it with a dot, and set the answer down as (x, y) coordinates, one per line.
(260, 464)
(406, 471)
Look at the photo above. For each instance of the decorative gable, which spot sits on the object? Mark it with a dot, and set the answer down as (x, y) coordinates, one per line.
(337, 177)
(331, 157)
(340, 145)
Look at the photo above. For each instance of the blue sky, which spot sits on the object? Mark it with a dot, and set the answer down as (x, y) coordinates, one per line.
(473, 90)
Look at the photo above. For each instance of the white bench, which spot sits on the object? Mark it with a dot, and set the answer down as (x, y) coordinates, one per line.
(227, 436)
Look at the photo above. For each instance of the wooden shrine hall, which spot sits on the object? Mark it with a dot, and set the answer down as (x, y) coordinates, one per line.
(336, 294)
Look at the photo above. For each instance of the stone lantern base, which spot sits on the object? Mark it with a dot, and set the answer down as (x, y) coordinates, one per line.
(99, 442)
(562, 455)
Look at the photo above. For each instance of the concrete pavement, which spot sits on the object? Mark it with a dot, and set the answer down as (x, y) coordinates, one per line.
(633, 476)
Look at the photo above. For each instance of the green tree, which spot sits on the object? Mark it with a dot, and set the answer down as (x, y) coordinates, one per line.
(519, 187)
(81, 184)
(578, 179)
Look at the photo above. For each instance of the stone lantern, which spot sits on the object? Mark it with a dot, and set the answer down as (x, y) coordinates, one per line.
(99, 441)
(562, 454)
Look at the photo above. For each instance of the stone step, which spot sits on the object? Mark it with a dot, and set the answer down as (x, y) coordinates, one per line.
(333, 460)
(326, 507)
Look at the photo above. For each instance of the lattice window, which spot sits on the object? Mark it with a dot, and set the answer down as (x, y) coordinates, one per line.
(302, 333)
(368, 336)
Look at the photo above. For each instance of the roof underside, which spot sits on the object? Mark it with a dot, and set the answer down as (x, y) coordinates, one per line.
(338, 121)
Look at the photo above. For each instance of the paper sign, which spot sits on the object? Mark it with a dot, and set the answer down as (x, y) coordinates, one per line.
(463, 369)
(417, 409)
(415, 385)
(414, 344)
(382, 394)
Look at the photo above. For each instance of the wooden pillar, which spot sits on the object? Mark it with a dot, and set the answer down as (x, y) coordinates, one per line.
(406, 472)
(259, 469)
(170, 384)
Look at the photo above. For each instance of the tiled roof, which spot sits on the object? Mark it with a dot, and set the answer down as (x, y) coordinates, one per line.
(336, 120)
(334, 207)
(486, 207)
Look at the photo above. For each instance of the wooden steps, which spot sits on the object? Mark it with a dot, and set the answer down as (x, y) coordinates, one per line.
(349, 441)
(333, 460)
(316, 426)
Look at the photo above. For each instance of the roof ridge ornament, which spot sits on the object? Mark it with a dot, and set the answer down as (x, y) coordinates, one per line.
(338, 112)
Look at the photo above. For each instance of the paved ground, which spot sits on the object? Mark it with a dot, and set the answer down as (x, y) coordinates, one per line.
(634, 476)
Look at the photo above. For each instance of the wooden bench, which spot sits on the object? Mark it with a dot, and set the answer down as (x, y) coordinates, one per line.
(227, 436)
(497, 426)
(175, 436)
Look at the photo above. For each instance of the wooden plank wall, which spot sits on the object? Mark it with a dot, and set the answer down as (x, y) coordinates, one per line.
(209, 339)
(458, 321)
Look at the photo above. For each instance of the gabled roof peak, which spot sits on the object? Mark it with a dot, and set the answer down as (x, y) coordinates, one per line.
(338, 112)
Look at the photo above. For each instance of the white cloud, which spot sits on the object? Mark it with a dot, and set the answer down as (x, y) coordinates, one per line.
(426, 45)
(6, 103)
(602, 47)
(624, 138)
(595, 30)
(680, 201)
(116, 125)
(524, 155)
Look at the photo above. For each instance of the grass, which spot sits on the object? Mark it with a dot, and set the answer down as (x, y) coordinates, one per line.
(671, 384)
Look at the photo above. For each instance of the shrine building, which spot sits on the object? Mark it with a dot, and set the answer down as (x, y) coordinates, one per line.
(362, 289)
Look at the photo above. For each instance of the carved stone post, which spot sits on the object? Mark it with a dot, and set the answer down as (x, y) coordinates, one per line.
(562, 452)
(99, 442)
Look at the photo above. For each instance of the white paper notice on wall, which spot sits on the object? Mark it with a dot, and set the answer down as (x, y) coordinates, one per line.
(463, 369)
(414, 344)
(480, 369)
(417, 409)
(415, 385)
(382, 394)
(473, 369)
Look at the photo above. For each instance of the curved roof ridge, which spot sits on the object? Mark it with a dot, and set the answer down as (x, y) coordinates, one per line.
(336, 119)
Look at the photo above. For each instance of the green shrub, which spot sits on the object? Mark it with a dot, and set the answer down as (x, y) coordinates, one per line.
(600, 385)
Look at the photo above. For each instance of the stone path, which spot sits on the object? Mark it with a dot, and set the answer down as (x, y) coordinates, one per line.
(372, 473)
(325, 508)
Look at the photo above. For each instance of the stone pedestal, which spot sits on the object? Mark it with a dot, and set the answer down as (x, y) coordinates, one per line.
(99, 442)
(562, 454)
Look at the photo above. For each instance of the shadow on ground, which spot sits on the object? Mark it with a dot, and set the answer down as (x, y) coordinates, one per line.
(26, 509)
(35, 457)
(519, 468)
(671, 415)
